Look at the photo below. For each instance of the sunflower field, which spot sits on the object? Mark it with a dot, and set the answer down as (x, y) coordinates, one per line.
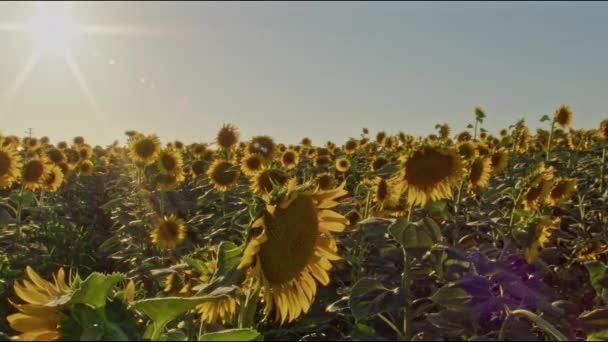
(450, 236)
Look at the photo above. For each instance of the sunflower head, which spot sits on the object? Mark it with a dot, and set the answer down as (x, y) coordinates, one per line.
(10, 164)
(444, 131)
(264, 146)
(343, 164)
(479, 114)
(293, 248)
(326, 181)
(380, 136)
(323, 160)
(228, 136)
(603, 131)
(169, 232)
(54, 179)
(378, 162)
(252, 164)
(34, 173)
(169, 182)
(198, 168)
(170, 162)
(500, 159)
(563, 116)
(539, 233)
(503, 133)
(266, 180)
(591, 250)
(78, 140)
(145, 149)
(306, 142)
(290, 159)
(86, 168)
(351, 146)
(467, 150)
(561, 191)
(429, 174)
(223, 175)
(463, 136)
(479, 172)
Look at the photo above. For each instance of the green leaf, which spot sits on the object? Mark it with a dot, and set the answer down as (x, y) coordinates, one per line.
(233, 335)
(95, 289)
(369, 297)
(598, 336)
(421, 235)
(545, 118)
(597, 275)
(5, 217)
(594, 320)
(452, 297)
(163, 310)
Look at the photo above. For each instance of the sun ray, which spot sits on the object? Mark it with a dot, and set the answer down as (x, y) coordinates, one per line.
(8, 97)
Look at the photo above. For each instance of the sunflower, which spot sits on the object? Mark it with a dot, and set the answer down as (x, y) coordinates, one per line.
(444, 131)
(54, 179)
(342, 165)
(306, 142)
(252, 164)
(31, 144)
(178, 145)
(603, 131)
(37, 320)
(295, 247)
(145, 149)
(479, 114)
(480, 171)
(84, 151)
(499, 158)
(290, 159)
(55, 155)
(541, 232)
(539, 188)
(503, 133)
(467, 150)
(378, 163)
(33, 173)
(218, 310)
(321, 161)
(380, 136)
(10, 164)
(198, 150)
(563, 116)
(591, 250)
(561, 191)
(228, 136)
(463, 136)
(430, 173)
(224, 175)
(170, 162)
(86, 168)
(265, 181)
(263, 145)
(326, 181)
(381, 192)
(353, 217)
(197, 168)
(78, 140)
(169, 231)
(169, 182)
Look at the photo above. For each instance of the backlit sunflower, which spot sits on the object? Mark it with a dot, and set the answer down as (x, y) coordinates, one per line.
(145, 149)
(54, 179)
(170, 162)
(430, 173)
(500, 159)
(33, 173)
(265, 181)
(86, 168)
(342, 165)
(228, 136)
(264, 146)
(38, 320)
(251, 164)
(223, 175)
(294, 247)
(563, 116)
(290, 159)
(198, 168)
(480, 171)
(561, 191)
(169, 232)
(10, 164)
(541, 232)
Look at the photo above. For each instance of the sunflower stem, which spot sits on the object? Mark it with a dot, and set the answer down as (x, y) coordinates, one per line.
(20, 210)
(603, 170)
(541, 323)
(549, 141)
(391, 325)
(405, 285)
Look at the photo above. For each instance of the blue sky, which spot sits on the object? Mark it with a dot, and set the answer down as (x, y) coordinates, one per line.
(323, 70)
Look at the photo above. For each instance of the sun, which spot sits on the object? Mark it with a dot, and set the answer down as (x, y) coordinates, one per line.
(53, 27)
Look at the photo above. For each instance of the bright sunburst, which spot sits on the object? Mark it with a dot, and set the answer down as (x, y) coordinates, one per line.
(53, 27)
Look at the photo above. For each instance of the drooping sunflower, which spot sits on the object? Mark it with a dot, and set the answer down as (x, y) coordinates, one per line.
(266, 180)
(343, 164)
(33, 173)
(169, 232)
(54, 179)
(10, 164)
(228, 136)
(294, 247)
(541, 232)
(223, 175)
(86, 168)
(561, 191)
(170, 162)
(145, 149)
(500, 159)
(430, 173)
(480, 171)
(37, 320)
(563, 116)
(290, 159)
(252, 164)
(326, 181)
(264, 146)
(198, 168)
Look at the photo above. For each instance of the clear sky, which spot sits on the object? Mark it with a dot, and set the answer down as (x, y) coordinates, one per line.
(294, 69)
